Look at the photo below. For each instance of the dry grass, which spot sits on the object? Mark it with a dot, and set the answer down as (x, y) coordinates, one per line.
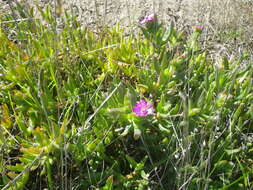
(228, 23)
(228, 26)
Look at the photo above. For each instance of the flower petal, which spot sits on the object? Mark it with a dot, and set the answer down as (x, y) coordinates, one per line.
(143, 108)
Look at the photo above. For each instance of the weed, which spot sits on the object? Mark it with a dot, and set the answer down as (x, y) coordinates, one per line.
(69, 118)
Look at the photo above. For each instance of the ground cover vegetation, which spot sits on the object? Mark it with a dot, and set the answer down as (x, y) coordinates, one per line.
(105, 110)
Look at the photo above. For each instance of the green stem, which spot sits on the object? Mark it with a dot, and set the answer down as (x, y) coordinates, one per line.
(49, 176)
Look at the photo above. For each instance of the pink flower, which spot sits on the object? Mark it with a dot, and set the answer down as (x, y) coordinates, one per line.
(148, 19)
(199, 28)
(143, 108)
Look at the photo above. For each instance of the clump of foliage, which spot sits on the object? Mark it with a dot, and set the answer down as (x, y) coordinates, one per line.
(85, 110)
